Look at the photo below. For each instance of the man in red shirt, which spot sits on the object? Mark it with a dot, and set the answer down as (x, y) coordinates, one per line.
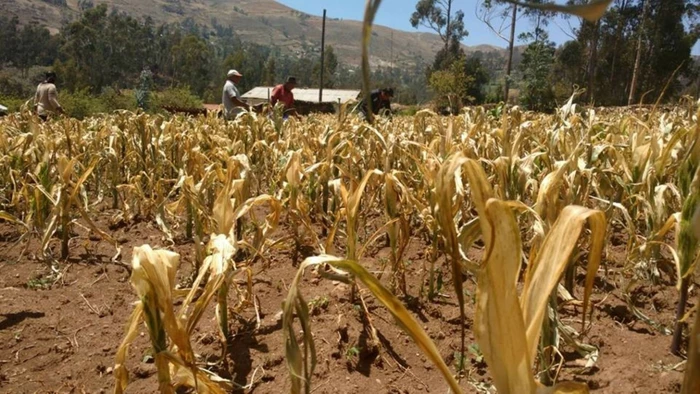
(283, 94)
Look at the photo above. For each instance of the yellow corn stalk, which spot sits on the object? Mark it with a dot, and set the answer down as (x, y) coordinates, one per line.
(508, 326)
(301, 363)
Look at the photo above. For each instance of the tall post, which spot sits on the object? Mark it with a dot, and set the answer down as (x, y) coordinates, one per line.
(509, 63)
(638, 58)
(323, 51)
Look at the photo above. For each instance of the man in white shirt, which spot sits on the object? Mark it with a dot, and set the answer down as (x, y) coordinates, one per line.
(231, 97)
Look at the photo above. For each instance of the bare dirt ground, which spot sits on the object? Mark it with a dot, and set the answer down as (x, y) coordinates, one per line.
(59, 330)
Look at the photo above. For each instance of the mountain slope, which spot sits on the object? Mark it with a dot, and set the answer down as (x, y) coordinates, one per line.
(260, 21)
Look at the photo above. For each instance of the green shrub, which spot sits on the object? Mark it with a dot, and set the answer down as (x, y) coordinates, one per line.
(177, 97)
(20, 84)
(409, 110)
(80, 104)
(13, 104)
(113, 100)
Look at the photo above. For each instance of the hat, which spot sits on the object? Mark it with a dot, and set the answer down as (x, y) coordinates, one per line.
(291, 80)
(232, 73)
(389, 91)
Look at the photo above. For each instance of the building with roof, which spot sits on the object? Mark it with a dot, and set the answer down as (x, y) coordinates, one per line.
(262, 94)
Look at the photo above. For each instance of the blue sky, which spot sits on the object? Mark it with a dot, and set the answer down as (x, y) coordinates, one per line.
(396, 14)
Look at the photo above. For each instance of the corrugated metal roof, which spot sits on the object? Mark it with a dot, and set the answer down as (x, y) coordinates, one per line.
(329, 95)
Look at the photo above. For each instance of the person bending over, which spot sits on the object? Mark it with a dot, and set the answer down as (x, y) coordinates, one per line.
(282, 93)
(381, 102)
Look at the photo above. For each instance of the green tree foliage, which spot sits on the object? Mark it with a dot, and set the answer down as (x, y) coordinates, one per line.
(569, 70)
(8, 39)
(100, 49)
(250, 61)
(476, 70)
(440, 16)
(452, 85)
(191, 58)
(536, 91)
(502, 17)
(330, 66)
(450, 65)
(27, 46)
(106, 51)
(269, 76)
(84, 5)
(667, 33)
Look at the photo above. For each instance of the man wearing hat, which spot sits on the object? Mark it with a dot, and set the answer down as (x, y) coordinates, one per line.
(46, 97)
(231, 97)
(282, 93)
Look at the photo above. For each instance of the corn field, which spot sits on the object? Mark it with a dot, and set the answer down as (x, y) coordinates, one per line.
(509, 217)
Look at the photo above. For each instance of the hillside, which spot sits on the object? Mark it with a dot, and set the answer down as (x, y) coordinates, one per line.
(260, 21)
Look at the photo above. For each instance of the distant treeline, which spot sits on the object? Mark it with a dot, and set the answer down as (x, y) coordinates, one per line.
(106, 49)
(638, 50)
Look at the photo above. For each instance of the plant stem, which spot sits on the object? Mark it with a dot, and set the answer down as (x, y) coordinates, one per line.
(680, 311)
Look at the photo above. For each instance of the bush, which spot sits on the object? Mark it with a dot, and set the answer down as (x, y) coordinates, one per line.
(113, 100)
(177, 98)
(19, 84)
(80, 104)
(408, 110)
(13, 104)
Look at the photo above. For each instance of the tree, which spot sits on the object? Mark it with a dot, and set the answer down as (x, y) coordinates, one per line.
(536, 90)
(588, 33)
(269, 75)
(192, 56)
(489, 11)
(638, 58)
(639, 50)
(501, 17)
(480, 77)
(569, 68)
(34, 46)
(454, 85)
(670, 45)
(104, 49)
(438, 15)
(330, 66)
(9, 37)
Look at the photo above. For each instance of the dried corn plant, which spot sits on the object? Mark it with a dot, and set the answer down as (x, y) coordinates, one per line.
(485, 177)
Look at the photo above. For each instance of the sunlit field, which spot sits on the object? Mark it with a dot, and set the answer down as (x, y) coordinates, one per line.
(494, 250)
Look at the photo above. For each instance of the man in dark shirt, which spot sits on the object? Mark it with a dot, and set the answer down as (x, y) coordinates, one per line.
(381, 101)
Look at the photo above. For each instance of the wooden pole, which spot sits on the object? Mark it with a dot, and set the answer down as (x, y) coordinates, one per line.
(323, 50)
(638, 58)
(509, 63)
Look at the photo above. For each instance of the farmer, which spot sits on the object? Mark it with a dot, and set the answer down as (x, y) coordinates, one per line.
(231, 97)
(46, 97)
(282, 93)
(381, 102)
